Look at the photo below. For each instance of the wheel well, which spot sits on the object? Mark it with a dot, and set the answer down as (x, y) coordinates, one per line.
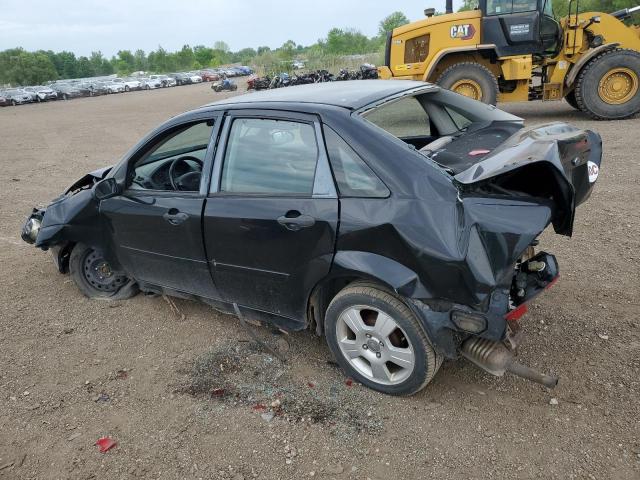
(325, 291)
(485, 57)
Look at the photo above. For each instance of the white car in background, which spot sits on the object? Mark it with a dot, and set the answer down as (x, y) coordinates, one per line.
(195, 78)
(41, 93)
(114, 87)
(151, 83)
(129, 83)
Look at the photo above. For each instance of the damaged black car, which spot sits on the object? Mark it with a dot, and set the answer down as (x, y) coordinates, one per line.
(397, 219)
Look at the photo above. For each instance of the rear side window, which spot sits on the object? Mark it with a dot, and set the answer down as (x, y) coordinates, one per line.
(353, 176)
(403, 118)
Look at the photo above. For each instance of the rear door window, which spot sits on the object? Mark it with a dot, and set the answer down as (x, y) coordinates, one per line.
(270, 157)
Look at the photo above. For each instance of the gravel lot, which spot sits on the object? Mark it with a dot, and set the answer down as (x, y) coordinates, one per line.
(193, 398)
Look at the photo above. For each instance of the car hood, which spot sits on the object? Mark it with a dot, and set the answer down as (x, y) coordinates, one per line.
(89, 179)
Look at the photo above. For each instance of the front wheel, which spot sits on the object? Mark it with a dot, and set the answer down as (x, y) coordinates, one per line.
(471, 80)
(95, 278)
(378, 340)
(608, 87)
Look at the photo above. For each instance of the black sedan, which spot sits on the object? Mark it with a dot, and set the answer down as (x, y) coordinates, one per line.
(397, 219)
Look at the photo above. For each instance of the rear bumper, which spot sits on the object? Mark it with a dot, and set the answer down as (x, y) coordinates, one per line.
(448, 325)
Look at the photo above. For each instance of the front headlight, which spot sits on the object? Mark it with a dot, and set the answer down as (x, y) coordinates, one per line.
(31, 229)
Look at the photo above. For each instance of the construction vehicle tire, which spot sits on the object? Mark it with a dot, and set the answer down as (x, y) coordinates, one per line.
(571, 100)
(608, 87)
(472, 80)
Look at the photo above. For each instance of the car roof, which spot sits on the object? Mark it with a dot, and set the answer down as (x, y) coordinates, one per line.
(352, 94)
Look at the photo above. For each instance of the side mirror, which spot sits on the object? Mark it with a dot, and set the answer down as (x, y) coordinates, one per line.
(106, 188)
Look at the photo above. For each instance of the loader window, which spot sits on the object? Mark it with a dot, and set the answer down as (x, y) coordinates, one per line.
(416, 50)
(503, 7)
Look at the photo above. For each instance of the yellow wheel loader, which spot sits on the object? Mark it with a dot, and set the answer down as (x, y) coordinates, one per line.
(516, 50)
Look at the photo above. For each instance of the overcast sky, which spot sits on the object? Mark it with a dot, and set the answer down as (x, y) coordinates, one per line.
(83, 26)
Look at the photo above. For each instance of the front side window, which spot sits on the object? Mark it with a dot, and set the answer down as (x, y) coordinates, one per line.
(175, 161)
(353, 175)
(273, 157)
(403, 118)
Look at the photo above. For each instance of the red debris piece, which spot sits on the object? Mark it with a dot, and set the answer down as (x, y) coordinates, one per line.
(121, 374)
(105, 444)
(217, 392)
(258, 407)
(480, 151)
(311, 384)
(348, 382)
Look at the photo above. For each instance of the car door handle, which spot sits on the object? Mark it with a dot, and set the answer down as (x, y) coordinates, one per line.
(295, 221)
(175, 217)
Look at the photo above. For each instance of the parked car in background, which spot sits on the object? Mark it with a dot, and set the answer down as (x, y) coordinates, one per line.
(128, 83)
(150, 83)
(165, 80)
(4, 101)
(246, 70)
(181, 78)
(209, 76)
(67, 91)
(17, 96)
(195, 77)
(298, 65)
(168, 81)
(92, 89)
(42, 93)
(113, 87)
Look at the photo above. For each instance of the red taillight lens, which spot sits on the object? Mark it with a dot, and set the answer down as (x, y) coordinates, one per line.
(552, 282)
(517, 313)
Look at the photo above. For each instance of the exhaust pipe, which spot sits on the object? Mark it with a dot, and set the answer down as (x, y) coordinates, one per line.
(495, 358)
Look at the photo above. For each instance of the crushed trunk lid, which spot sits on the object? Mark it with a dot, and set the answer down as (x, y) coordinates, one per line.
(556, 162)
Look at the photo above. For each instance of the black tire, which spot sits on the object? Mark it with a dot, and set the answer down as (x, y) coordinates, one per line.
(127, 88)
(479, 74)
(571, 100)
(377, 300)
(234, 88)
(587, 91)
(113, 286)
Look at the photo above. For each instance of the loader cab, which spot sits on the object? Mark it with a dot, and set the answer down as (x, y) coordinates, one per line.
(520, 27)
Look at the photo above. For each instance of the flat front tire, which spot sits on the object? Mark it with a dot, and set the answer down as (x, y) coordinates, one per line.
(95, 278)
(378, 340)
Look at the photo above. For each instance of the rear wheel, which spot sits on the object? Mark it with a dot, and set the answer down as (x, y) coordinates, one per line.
(378, 340)
(608, 87)
(471, 80)
(95, 278)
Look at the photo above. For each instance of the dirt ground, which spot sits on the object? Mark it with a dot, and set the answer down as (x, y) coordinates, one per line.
(193, 397)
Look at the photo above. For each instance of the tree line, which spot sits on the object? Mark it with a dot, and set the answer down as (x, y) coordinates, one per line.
(21, 67)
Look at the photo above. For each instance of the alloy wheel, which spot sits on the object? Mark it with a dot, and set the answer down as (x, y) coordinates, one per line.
(375, 345)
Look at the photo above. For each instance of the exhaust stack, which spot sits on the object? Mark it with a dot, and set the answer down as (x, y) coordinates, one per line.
(495, 358)
(449, 6)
